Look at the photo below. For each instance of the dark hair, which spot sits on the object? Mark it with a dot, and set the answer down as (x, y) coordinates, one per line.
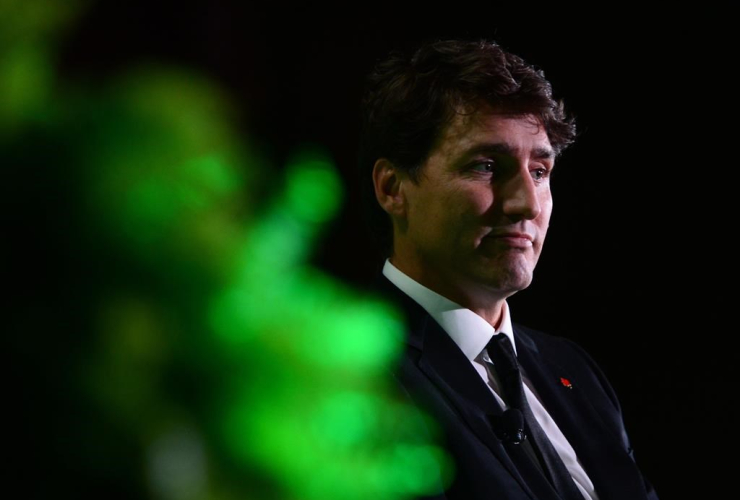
(410, 98)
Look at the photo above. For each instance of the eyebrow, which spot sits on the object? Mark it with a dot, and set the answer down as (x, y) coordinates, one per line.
(505, 149)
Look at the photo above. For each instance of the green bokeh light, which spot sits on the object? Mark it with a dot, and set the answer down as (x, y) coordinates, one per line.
(33, 20)
(302, 360)
(28, 31)
(341, 446)
(313, 190)
(26, 80)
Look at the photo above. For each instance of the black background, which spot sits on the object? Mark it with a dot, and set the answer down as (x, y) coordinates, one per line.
(639, 262)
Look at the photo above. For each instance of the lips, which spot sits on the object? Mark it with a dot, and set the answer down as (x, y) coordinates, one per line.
(512, 234)
(512, 238)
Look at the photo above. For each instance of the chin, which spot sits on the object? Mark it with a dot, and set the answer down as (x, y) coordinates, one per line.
(510, 282)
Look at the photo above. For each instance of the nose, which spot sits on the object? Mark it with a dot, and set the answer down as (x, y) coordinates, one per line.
(520, 200)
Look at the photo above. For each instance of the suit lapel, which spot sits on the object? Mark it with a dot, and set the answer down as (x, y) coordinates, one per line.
(447, 368)
(453, 375)
(599, 449)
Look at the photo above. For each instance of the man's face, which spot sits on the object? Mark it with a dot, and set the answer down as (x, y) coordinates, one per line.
(475, 220)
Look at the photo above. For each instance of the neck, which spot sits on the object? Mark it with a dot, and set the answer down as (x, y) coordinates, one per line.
(488, 304)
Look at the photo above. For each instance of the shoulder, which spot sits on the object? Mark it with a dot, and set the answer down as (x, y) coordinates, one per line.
(553, 346)
(567, 354)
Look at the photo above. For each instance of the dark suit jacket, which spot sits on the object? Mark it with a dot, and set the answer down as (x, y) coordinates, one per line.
(437, 377)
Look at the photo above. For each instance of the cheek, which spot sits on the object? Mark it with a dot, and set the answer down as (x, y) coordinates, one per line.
(543, 220)
(545, 201)
(462, 209)
(473, 199)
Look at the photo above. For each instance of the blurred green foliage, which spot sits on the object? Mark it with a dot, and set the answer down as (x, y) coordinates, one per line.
(192, 351)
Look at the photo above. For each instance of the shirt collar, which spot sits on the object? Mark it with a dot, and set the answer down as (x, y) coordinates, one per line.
(469, 331)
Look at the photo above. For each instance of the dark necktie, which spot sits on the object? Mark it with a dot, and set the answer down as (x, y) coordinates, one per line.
(504, 360)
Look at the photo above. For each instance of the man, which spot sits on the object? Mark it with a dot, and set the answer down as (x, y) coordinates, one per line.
(461, 139)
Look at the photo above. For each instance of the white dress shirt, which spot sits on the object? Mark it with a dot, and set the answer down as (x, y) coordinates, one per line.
(472, 333)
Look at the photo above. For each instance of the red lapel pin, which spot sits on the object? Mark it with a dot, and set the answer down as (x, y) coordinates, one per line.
(566, 382)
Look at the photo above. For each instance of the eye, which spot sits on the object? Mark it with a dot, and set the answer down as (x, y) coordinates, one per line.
(485, 167)
(540, 174)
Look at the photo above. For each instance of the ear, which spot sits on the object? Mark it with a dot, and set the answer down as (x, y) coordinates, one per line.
(388, 183)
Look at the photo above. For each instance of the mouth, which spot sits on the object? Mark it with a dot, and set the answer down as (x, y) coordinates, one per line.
(512, 238)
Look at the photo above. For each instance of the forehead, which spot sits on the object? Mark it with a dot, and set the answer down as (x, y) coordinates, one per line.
(515, 133)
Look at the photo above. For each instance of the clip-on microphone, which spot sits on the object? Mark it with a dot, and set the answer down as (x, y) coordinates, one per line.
(509, 426)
